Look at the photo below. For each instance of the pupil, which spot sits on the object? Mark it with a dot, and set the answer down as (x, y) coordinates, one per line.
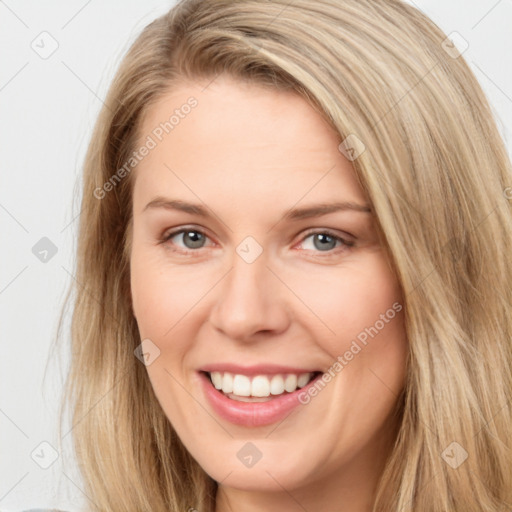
(324, 237)
(191, 235)
(195, 239)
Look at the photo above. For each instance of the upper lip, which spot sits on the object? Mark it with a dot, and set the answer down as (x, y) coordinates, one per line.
(258, 369)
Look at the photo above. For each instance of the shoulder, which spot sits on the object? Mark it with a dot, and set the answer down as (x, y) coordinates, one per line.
(38, 510)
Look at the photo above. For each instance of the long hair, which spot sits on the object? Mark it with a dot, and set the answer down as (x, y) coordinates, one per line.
(436, 172)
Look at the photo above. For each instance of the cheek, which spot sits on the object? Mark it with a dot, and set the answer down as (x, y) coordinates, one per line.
(170, 303)
(151, 299)
(351, 299)
(363, 308)
(161, 295)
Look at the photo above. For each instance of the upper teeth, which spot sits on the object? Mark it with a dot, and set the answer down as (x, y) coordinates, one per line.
(259, 385)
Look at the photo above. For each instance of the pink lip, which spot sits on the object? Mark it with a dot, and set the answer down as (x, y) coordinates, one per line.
(254, 414)
(259, 369)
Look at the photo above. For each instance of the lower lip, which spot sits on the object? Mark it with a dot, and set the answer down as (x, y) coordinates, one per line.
(252, 414)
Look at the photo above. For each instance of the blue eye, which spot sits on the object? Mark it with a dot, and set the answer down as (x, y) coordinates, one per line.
(193, 239)
(325, 241)
(192, 236)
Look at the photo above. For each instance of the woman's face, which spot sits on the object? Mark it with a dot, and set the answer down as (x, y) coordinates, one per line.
(236, 272)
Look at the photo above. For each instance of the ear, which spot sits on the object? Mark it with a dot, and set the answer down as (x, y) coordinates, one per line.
(127, 249)
(130, 298)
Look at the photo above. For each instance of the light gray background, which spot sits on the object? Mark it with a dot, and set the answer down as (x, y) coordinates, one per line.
(48, 107)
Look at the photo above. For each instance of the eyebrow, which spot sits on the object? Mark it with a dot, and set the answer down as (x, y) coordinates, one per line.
(294, 214)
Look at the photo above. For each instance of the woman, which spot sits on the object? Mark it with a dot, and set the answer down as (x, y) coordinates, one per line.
(225, 357)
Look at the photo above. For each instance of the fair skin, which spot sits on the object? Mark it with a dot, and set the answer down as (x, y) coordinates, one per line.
(249, 154)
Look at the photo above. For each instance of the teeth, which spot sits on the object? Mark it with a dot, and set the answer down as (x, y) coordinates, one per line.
(216, 379)
(290, 383)
(227, 383)
(260, 385)
(241, 385)
(277, 385)
(303, 380)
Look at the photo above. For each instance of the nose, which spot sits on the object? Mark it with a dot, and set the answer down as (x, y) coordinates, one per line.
(250, 302)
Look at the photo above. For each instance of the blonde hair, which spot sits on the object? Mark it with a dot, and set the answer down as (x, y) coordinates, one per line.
(435, 170)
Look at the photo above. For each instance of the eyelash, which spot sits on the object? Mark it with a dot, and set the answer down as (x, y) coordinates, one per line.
(347, 245)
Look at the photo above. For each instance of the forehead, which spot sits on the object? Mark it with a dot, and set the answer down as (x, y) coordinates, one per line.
(241, 140)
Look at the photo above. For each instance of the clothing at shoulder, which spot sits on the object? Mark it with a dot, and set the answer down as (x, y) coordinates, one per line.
(43, 510)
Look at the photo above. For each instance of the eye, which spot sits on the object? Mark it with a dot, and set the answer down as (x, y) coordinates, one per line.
(325, 241)
(191, 238)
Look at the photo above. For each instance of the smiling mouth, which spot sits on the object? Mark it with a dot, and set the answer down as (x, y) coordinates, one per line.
(258, 388)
